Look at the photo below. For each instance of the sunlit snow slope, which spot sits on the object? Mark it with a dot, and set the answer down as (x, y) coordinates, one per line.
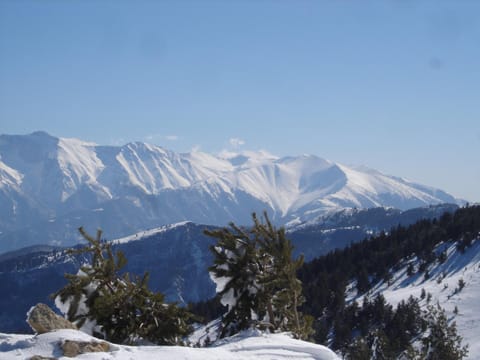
(443, 285)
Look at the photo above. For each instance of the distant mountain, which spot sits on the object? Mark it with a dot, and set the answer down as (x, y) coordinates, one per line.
(177, 257)
(50, 186)
(339, 229)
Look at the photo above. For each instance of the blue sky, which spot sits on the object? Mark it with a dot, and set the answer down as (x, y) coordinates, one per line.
(394, 85)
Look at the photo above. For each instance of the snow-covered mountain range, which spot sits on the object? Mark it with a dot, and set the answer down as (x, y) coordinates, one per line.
(50, 186)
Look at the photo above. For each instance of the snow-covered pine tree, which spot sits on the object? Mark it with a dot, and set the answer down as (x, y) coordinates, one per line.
(256, 278)
(443, 341)
(282, 290)
(116, 307)
(235, 273)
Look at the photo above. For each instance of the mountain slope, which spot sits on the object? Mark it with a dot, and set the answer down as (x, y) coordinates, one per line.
(177, 257)
(443, 287)
(433, 261)
(50, 186)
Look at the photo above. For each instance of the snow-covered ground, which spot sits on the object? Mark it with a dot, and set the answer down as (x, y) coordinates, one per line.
(147, 233)
(248, 345)
(443, 285)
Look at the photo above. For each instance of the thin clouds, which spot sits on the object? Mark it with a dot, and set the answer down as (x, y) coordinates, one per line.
(116, 141)
(160, 137)
(236, 142)
(231, 150)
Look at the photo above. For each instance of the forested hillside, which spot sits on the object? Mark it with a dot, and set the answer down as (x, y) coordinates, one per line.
(350, 318)
(331, 282)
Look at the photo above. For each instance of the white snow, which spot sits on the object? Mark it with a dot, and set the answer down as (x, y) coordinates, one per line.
(148, 233)
(79, 163)
(9, 177)
(248, 345)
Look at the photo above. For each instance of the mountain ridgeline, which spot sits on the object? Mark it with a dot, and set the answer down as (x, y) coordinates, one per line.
(51, 186)
(177, 257)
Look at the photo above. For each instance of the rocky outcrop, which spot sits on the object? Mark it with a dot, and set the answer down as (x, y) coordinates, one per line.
(73, 348)
(42, 319)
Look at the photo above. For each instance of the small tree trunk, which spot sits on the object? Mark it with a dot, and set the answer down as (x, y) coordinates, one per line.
(271, 315)
(295, 311)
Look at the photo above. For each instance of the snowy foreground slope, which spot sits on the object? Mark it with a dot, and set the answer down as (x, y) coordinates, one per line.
(242, 346)
(443, 285)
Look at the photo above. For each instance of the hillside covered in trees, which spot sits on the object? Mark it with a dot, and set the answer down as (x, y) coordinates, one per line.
(351, 320)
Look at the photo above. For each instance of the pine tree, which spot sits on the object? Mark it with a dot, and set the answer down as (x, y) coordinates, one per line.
(358, 349)
(116, 307)
(256, 278)
(282, 290)
(235, 271)
(442, 342)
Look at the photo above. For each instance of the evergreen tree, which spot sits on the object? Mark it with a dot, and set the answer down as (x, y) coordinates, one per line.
(235, 272)
(410, 269)
(282, 290)
(358, 350)
(256, 278)
(442, 342)
(104, 303)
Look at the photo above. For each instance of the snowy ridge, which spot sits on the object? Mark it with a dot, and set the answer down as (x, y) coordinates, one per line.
(79, 163)
(147, 233)
(243, 346)
(10, 177)
(65, 179)
(443, 285)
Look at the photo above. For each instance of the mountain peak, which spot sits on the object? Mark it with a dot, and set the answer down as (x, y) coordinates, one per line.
(41, 133)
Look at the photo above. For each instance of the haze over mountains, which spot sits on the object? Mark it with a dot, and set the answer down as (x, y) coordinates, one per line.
(50, 186)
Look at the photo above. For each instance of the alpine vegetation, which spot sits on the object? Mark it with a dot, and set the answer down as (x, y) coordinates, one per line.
(106, 304)
(256, 279)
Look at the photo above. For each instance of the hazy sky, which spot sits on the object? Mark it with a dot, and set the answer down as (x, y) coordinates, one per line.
(394, 85)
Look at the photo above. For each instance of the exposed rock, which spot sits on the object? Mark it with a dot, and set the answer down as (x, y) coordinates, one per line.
(39, 357)
(73, 348)
(42, 319)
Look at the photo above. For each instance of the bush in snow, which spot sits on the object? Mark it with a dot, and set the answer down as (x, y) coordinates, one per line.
(256, 279)
(116, 307)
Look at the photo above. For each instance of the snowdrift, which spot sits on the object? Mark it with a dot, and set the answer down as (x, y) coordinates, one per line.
(247, 345)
